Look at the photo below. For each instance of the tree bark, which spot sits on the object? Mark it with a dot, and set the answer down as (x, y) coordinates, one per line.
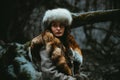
(91, 17)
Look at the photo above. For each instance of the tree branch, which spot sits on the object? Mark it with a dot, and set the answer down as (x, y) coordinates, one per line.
(80, 19)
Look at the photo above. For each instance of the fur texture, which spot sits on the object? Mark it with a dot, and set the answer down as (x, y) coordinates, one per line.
(57, 51)
(59, 14)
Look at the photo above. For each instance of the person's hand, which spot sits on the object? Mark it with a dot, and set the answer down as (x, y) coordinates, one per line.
(49, 47)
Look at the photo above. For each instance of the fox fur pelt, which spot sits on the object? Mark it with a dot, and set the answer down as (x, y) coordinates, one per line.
(56, 51)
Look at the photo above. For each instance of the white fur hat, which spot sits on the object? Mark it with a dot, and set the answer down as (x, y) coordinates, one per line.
(59, 14)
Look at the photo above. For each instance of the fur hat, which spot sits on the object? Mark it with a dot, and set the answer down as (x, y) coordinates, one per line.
(60, 14)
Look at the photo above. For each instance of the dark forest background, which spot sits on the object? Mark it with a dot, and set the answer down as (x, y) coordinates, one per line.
(99, 41)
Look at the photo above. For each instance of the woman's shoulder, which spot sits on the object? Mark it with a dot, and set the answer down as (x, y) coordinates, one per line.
(37, 39)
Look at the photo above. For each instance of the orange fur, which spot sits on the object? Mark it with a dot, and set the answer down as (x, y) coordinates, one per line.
(74, 45)
(56, 49)
(53, 46)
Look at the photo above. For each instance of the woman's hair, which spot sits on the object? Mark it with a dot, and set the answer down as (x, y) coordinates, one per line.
(61, 15)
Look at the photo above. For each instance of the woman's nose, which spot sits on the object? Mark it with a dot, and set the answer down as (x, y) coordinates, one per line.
(58, 27)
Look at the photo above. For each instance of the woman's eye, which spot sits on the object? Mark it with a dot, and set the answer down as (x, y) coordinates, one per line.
(54, 25)
(58, 25)
(61, 26)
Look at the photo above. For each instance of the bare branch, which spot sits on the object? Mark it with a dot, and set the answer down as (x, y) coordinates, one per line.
(95, 16)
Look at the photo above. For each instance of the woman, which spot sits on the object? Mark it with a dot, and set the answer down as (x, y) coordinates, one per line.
(56, 22)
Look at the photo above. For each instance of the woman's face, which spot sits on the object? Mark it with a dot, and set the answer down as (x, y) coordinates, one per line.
(57, 29)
